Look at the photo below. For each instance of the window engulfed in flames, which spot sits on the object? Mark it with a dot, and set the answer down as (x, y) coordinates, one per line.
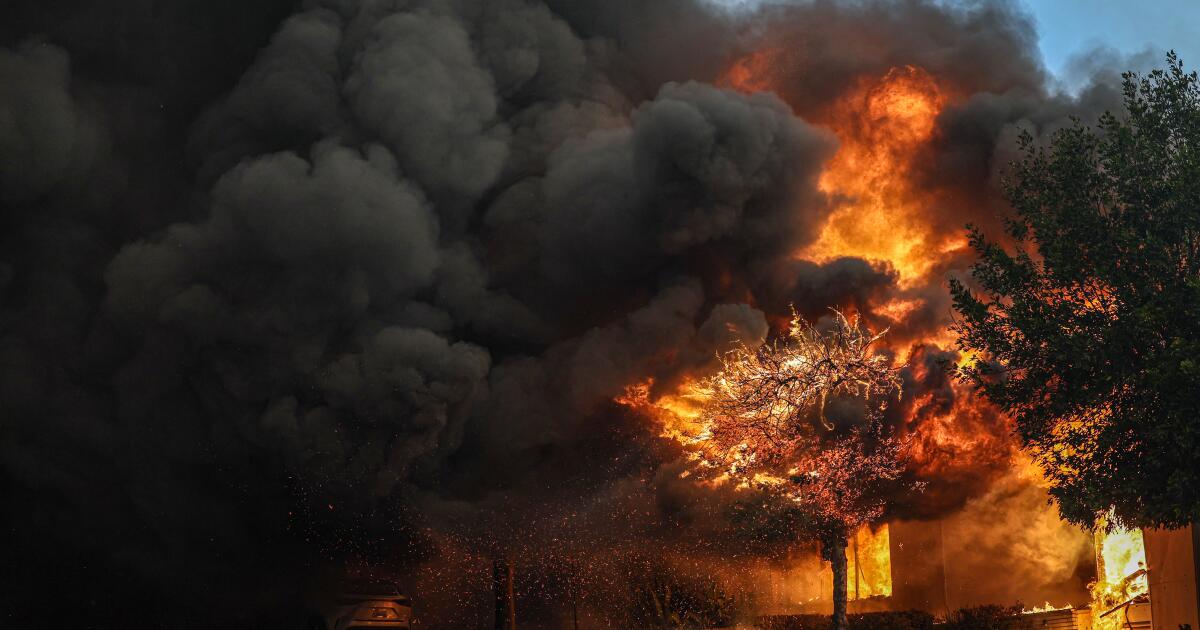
(869, 558)
(870, 566)
(1120, 574)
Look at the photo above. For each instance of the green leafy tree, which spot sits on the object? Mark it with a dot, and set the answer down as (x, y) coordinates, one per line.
(1086, 318)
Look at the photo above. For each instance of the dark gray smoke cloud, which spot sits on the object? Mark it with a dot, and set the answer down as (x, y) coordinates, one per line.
(282, 286)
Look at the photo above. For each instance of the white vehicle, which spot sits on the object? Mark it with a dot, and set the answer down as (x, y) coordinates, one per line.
(368, 604)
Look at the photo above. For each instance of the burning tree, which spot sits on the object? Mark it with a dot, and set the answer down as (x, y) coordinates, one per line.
(765, 425)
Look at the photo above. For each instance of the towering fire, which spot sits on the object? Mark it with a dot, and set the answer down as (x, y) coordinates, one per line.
(882, 214)
(881, 126)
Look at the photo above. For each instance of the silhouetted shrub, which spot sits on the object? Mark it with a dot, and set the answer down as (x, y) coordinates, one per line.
(900, 620)
(989, 617)
(666, 598)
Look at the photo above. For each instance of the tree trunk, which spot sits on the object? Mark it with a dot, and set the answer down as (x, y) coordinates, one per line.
(502, 587)
(833, 547)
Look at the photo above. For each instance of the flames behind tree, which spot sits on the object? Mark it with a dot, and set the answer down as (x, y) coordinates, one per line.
(885, 212)
(886, 125)
(758, 427)
(762, 421)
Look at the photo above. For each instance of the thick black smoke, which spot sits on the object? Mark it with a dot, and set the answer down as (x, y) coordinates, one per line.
(287, 286)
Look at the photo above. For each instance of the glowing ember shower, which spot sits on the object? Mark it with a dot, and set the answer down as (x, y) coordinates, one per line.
(881, 126)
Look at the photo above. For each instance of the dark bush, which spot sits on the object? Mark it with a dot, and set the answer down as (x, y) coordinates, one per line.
(990, 617)
(667, 598)
(901, 620)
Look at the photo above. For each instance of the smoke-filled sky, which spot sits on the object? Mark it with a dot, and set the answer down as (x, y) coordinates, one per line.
(287, 287)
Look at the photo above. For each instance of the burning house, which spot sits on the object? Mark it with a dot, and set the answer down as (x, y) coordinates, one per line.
(426, 287)
(1144, 579)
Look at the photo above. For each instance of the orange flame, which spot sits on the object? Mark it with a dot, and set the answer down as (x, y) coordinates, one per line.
(751, 73)
(870, 563)
(882, 126)
(1047, 607)
(1120, 573)
(678, 414)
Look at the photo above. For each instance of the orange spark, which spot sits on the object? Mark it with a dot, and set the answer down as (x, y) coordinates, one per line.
(751, 73)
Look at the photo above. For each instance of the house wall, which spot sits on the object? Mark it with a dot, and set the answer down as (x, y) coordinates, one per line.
(1173, 564)
(918, 566)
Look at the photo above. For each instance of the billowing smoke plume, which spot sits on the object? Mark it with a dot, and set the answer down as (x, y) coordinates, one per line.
(358, 281)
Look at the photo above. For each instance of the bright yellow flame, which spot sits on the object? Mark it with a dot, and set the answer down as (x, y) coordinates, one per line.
(1123, 554)
(898, 309)
(1047, 607)
(1120, 573)
(679, 414)
(870, 564)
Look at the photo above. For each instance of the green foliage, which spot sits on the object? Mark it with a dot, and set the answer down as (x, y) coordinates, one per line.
(1087, 315)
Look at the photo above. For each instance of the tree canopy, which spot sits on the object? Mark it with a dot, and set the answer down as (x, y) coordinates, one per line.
(765, 423)
(1085, 316)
